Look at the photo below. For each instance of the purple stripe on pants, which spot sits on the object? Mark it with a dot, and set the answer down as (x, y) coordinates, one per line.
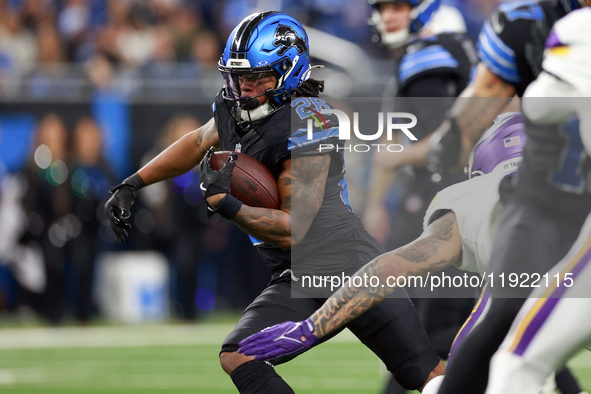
(546, 309)
(474, 316)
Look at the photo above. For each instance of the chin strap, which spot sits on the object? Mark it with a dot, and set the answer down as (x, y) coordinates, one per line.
(257, 113)
(396, 39)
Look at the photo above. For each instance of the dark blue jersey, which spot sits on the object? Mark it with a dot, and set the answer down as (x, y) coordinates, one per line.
(435, 67)
(431, 73)
(450, 56)
(282, 136)
(511, 42)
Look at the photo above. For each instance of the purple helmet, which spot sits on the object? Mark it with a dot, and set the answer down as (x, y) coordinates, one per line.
(501, 146)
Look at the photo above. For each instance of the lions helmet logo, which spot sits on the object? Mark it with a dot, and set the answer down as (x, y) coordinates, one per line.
(287, 38)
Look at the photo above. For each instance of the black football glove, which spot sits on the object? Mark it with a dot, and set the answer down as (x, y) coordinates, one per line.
(216, 182)
(446, 147)
(118, 207)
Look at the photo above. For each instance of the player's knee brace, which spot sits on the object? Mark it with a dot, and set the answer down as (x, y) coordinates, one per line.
(259, 377)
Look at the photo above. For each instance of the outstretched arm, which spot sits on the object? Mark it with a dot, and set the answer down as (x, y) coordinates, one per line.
(437, 248)
(181, 156)
(176, 160)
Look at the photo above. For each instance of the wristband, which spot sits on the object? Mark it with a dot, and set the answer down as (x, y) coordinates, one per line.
(135, 180)
(228, 207)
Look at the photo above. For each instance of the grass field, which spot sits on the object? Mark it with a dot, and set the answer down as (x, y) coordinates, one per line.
(175, 359)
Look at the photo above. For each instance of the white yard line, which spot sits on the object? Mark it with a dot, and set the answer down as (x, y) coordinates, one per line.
(7, 376)
(151, 335)
(118, 336)
(19, 375)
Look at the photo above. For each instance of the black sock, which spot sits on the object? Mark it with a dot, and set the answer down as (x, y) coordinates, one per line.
(259, 377)
(566, 382)
(393, 387)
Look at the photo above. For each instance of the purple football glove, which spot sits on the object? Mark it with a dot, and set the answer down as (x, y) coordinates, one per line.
(279, 340)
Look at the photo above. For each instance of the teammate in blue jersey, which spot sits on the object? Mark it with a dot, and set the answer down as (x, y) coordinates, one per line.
(265, 63)
(434, 55)
(435, 59)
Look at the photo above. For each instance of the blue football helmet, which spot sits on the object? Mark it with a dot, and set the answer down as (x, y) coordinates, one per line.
(263, 43)
(422, 11)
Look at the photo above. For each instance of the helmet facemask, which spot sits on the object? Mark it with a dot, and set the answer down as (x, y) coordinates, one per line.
(251, 80)
(277, 95)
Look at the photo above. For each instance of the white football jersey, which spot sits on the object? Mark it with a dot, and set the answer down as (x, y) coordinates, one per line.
(572, 62)
(566, 76)
(476, 205)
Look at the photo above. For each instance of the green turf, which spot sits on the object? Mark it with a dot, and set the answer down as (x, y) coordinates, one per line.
(339, 367)
(176, 369)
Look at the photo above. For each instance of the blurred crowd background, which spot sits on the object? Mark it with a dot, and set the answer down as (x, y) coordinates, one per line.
(90, 90)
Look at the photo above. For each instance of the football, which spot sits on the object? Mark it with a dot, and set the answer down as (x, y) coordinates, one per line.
(252, 183)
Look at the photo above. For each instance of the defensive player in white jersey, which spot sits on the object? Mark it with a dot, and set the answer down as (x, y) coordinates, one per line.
(459, 230)
(555, 322)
